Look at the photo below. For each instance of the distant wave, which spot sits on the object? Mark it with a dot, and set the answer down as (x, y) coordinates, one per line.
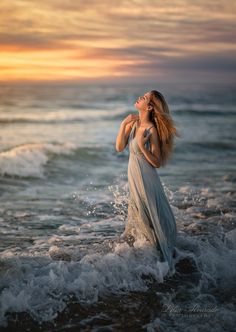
(204, 112)
(196, 146)
(216, 145)
(122, 115)
(53, 117)
(70, 116)
(30, 120)
(28, 159)
(191, 110)
(203, 107)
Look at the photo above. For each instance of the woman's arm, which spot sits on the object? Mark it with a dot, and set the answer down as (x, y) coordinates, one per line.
(124, 131)
(152, 157)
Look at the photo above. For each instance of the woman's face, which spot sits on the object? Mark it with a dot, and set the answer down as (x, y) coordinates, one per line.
(142, 102)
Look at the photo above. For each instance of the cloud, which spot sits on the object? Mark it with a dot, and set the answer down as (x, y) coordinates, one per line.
(135, 37)
(24, 41)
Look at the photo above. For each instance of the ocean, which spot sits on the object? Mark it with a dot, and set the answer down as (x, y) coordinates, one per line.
(63, 190)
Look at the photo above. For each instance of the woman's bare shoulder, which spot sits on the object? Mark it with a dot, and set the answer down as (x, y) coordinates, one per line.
(130, 125)
(153, 129)
(134, 123)
(154, 133)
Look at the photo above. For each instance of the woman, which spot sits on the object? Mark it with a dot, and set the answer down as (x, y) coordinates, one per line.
(150, 137)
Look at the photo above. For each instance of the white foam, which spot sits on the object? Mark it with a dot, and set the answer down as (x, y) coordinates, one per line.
(59, 115)
(29, 159)
(32, 284)
(69, 229)
(215, 260)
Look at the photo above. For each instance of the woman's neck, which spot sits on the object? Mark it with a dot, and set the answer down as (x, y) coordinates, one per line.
(144, 120)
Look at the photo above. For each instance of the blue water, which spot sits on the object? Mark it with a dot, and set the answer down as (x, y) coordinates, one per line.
(63, 186)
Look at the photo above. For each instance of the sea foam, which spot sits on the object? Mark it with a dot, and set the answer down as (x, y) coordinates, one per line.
(29, 159)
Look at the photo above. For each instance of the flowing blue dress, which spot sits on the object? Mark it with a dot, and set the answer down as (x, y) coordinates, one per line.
(150, 217)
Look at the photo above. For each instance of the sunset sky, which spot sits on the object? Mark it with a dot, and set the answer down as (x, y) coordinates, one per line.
(118, 40)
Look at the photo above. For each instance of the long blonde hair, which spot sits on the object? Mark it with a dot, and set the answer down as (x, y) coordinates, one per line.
(165, 125)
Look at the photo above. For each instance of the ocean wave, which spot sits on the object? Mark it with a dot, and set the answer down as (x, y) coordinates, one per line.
(39, 120)
(202, 146)
(197, 109)
(205, 107)
(206, 112)
(40, 280)
(53, 117)
(29, 159)
(203, 265)
(185, 111)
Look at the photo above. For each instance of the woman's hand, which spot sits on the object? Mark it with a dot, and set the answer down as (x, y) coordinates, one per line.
(141, 138)
(130, 118)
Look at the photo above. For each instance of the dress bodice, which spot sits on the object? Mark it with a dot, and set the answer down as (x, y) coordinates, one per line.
(133, 144)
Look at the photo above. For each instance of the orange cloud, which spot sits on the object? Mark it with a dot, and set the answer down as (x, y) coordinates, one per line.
(78, 40)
